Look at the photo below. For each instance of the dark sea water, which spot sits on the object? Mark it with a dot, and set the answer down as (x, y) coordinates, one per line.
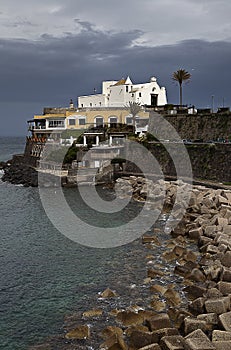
(44, 276)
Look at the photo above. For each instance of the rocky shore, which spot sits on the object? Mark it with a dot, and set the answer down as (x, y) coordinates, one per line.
(193, 312)
(19, 173)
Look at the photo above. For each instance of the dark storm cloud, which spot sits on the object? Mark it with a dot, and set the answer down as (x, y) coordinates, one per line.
(52, 70)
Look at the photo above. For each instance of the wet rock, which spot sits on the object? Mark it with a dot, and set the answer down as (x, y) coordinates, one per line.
(150, 239)
(80, 332)
(129, 318)
(92, 313)
(158, 305)
(157, 288)
(164, 332)
(213, 271)
(183, 271)
(197, 275)
(195, 291)
(108, 293)
(169, 256)
(197, 306)
(159, 321)
(172, 297)
(139, 339)
(110, 331)
(195, 233)
(115, 342)
(45, 346)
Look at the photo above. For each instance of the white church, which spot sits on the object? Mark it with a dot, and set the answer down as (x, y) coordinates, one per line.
(120, 93)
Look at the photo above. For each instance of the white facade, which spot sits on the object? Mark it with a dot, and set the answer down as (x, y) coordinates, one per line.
(120, 93)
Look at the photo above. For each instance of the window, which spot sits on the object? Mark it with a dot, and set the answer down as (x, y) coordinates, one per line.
(82, 105)
(71, 121)
(139, 94)
(56, 123)
(90, 104)
(126, 88)
(100, 103)
(132, 95)
(113, 122)
(99, 121)
(82, 121)
(128, 120)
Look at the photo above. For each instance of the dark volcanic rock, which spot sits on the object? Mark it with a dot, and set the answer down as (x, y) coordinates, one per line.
(24, 174)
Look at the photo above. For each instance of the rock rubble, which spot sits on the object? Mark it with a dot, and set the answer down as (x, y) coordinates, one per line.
(204, 322)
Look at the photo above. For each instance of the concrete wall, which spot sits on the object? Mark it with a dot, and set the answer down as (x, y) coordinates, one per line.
(205, 127)
(209, 162)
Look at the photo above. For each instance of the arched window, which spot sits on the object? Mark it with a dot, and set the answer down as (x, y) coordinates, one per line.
(98, 121)
(128, 119)
(112, 121)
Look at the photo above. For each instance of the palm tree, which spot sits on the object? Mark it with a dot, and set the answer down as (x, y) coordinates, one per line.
(134, 108)
(181, 75)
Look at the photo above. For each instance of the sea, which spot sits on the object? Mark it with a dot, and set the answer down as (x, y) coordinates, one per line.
(45, 276)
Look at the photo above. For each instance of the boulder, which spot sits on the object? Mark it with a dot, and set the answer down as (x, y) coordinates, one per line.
(172, 297)
(164, 332)
(197, 340)
(197, 306)
(210, 319)
(108, 293)
(157, 288)
(226, 260)
(217, 306)
(225, 321)
(218, 335)
(195, 233)
(194, 291)
(174, 342)
(151, 347)
(197, 275)
(159, 321)
(192, 324)
(222, 345)
(224, 287)
(93, 313)
(139, 339)
(226, 274)
(129, 318)
(111, 330)
(115, 342)
(80, 332)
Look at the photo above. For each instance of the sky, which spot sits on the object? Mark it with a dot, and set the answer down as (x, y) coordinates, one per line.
(53, 50)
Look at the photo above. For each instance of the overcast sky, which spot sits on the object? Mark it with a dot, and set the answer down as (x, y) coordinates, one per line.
(53, 50)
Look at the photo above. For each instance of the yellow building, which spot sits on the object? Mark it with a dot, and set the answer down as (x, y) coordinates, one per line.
(57, 120)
